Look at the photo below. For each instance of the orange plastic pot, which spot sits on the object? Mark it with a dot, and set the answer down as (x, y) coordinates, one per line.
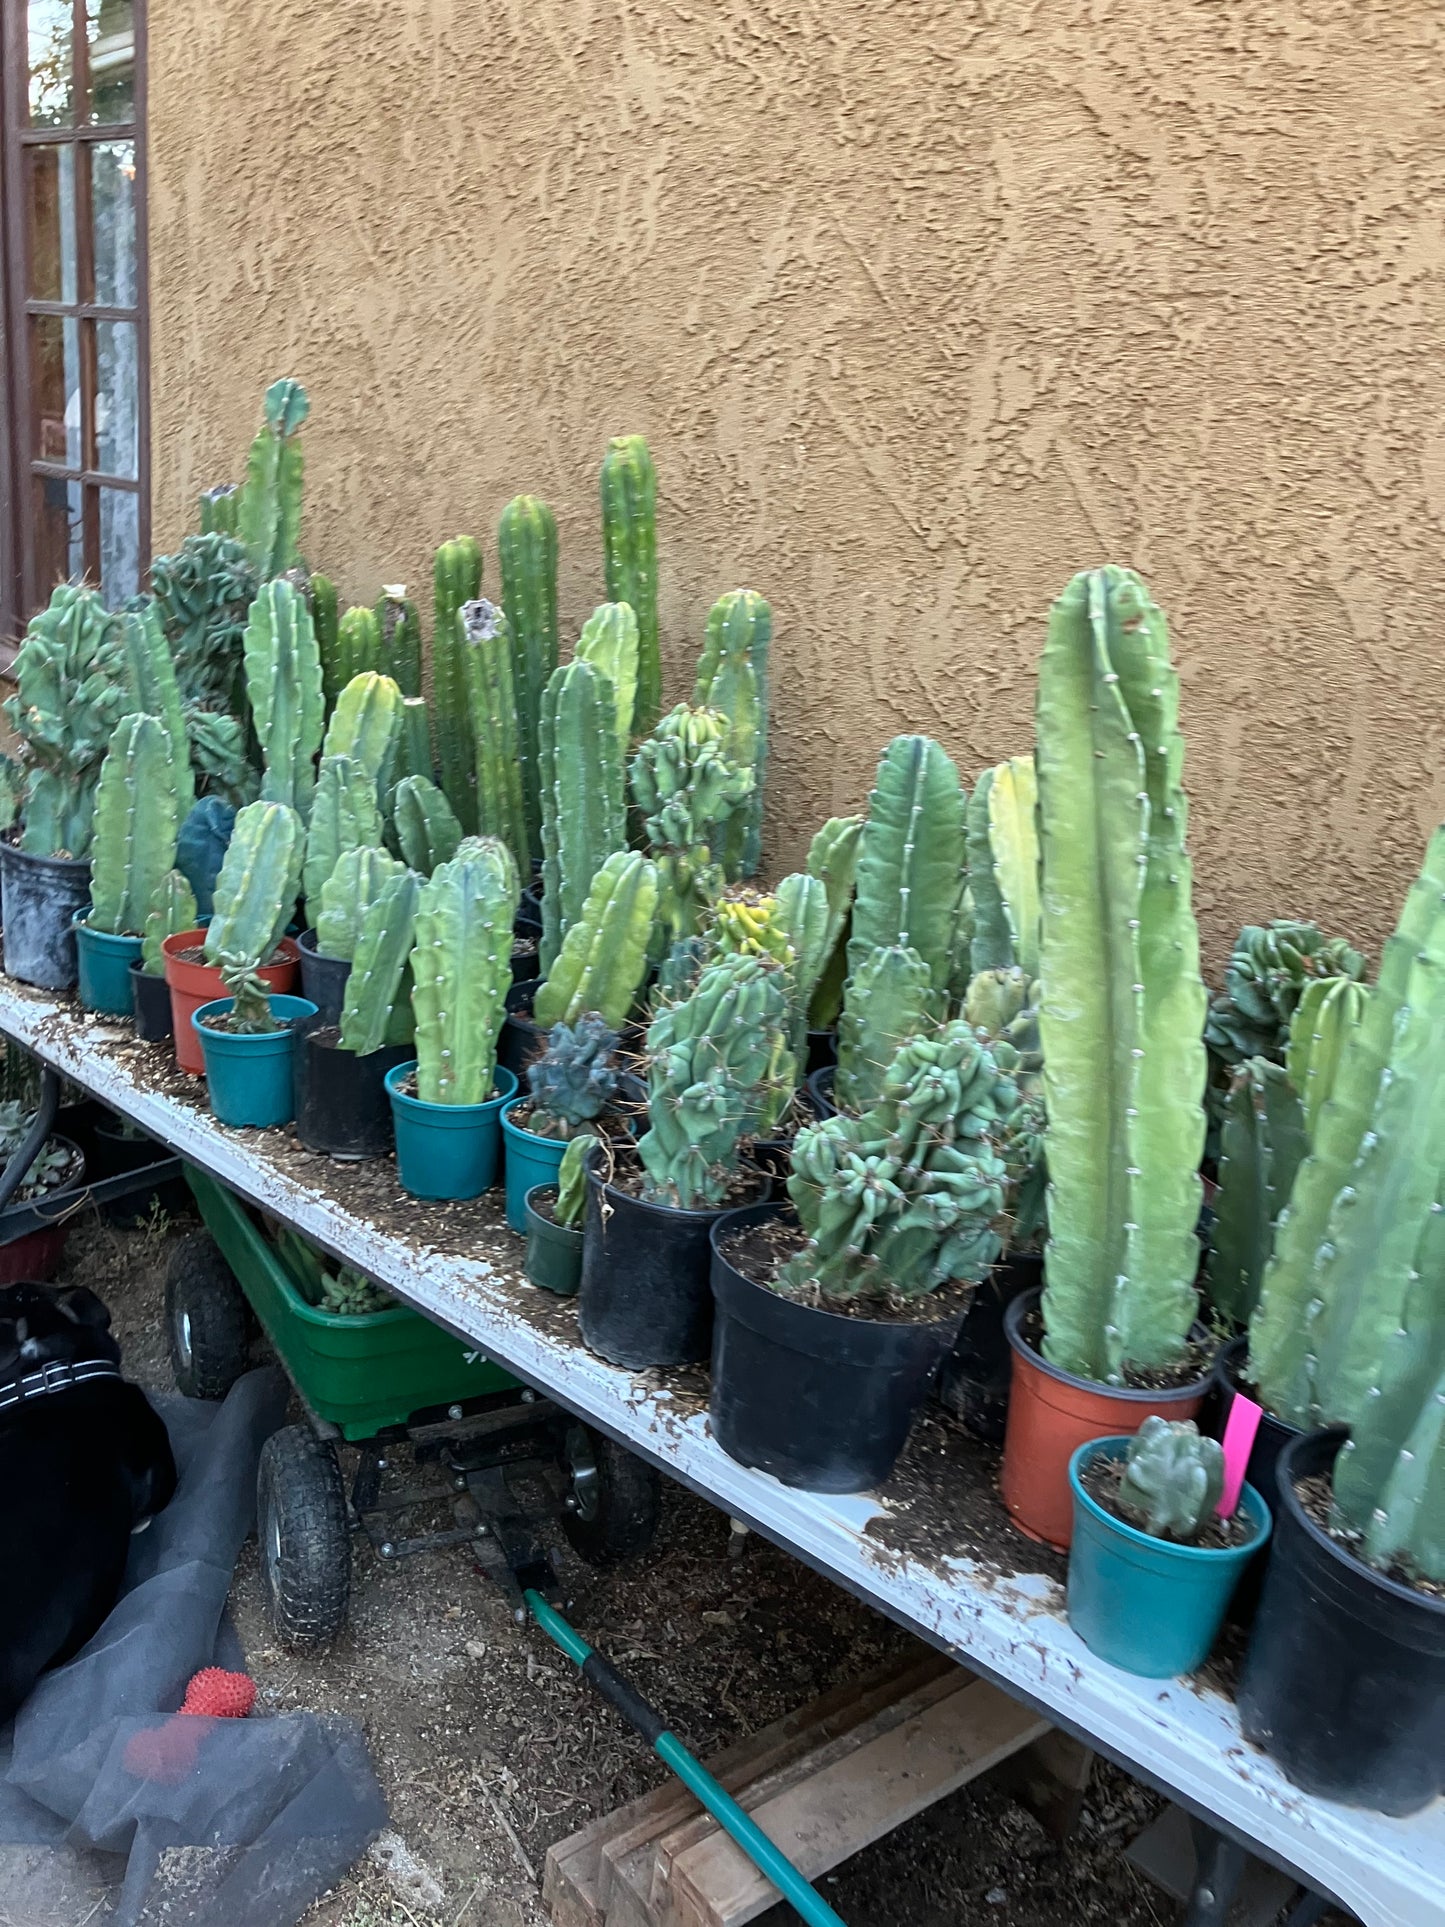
(1051, 1413)
(193, 984)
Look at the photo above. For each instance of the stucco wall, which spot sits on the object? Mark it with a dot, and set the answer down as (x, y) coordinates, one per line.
(922, 304)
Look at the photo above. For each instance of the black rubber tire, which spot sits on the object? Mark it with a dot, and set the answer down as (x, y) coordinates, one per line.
(305, 1543)
(207, 1328)
(622, 1521)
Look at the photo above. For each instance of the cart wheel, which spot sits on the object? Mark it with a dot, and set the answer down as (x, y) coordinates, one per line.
(618, 1498)
(305, 1543)
(205, 1318)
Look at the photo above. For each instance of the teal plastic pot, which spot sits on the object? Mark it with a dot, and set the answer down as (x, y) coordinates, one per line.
(250, 1075)
(554, 1251)
(104, 964)
(447, 1150)
(531, 1160)
(1144, 1604)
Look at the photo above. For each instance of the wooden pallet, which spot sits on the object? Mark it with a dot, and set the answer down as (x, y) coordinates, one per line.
(822, 1783)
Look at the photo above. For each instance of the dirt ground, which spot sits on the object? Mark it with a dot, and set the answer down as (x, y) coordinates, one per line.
(490, 1748)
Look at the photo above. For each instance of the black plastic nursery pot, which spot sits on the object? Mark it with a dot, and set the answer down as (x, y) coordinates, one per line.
(974, 1382)
(644, 1297)
(151, 997)
(323, 978)
(822, 1051)
(554, 1251)
(1344, 1680)
(820, 1090)
(342, 1108)
(823, 1402)
(42, 897)
(520, 1040)
(1273, 1434)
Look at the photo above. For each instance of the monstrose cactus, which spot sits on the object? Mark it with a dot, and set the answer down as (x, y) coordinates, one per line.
(732, 676)
(687, 790)
(1269, 970)
(1172, 1481)
(70, 683)
(575, 1078)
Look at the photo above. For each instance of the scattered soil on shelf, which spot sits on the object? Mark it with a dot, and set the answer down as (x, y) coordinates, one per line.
(1317, 1498)
(1194, 1366)
(1102, 1479)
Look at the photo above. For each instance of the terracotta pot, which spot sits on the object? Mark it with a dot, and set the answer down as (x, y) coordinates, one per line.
(1051, 1413)
(193, 984)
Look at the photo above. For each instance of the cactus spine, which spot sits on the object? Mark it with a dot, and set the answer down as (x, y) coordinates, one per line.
(1261, 1145)
(155, 691)
(603, 958)
(426, 828)
(527, 552)
(70, 689)
(1327, 1015)
(1123, 1003)
(136, 821)
(172, 909)
(629, 542)
(283, 681)
(583, 819)
(456, 578)
(687, 789)
(487, 668)
(910, 858)
(732, 675)
(347, 896)
(270, 509)
(889, 999)
(609, 642)
(345, 815)
(326, 620)
(462, 968)
(377, 1011)
(400, 629)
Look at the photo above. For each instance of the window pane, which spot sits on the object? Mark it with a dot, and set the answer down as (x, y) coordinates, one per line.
(110, 35)
(51, 76)
(119, 546)
(52, 223)
(117, 386)
(55, 385)
(59, 550)
(112, 176)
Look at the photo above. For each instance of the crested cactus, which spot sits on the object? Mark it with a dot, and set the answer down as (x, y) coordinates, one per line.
(603, 958)
(1262, 1144)
(270, 510)
(358, 644)
(255, 895)
(732, 675)
(583, 817)
(1328, 1012)
(136, 819)
(201, 845)
(687, 790)
(527, 553)
(1268, 972)
(462, 970)
(377, 1010)
(1345, 1246)
(344, 815)
(904, 1198)
(427, 830)
(365, 723)
(1003, 868)
(456, 579)
(1123, 1002)
(202, 595)
(400, 629)
(575, 1078)
(609, 642)
(326, 620)
(717, 1065)
(360, 877)
(910, 858)
(1172, 1480)
(629, 542)
(889, 999)
(220, 509)
(153, 690)
(487, 671)
(172, 909)
(833, 859)
(571, 1203)
(751, 924)
(283, 681)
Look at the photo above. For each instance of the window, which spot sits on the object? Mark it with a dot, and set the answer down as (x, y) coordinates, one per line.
(77, 473)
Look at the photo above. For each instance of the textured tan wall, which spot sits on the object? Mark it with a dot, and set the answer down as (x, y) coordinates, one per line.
(922, 304)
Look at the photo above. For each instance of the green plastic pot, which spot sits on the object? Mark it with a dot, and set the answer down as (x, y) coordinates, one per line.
(554, 1251)
(104, 968)
(249, 1075)
(532, 1160)
(447, 1150)
(1144, 1604)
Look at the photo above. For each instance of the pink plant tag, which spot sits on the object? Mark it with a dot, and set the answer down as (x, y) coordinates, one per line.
(1238, 1443)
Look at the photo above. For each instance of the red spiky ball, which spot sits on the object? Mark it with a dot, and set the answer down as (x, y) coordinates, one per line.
(219, 1695)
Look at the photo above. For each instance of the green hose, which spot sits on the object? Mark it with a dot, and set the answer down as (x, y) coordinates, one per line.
(617, 1691)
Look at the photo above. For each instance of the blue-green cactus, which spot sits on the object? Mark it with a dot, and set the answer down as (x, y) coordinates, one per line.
(269, 520)
(283, 681)
(575, 1078)
(1172, 1480)
(462, 970)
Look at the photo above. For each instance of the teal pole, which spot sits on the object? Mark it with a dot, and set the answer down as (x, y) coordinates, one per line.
(617, 1691)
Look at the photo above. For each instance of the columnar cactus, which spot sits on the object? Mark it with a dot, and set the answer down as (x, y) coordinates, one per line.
(220, 509)
(603, 958)
(456, 578)
(427, 830)
(487, 669)
(1123, 1004)
(609, 642)
(462, 968)
(1269, 970)
(687, 790)
(527, 553)
(1262, 1143)
(1003, 868)
(358, 644)
(833, 859)
(732, 675)
(804, 918)
(583, 817)
(629, 542)
(377, 1010)
(326, 620)
(716, 1064)
(1328, 1012)
(400, 628)
(904, 1198)
(255, 896)
(1172, 1481)
(70, 690)
(202, 595)
(345, 815)
(910, 858)
(575, 1078)
(283, 681)
(270, 508)
(347, 896)
(136, 819)
(413, 743)
(571, 1203)
(889, 999)
(153, 690)
(365, 723)
(172, 909)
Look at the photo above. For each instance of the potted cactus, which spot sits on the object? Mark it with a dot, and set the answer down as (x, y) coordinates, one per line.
(1153, 1563)
(833, 1317)
(1121, 1018)
(716, 1062)
(571, 1087)
(445, 1102)
(689, 790)
(554, 1215)
(134, 849)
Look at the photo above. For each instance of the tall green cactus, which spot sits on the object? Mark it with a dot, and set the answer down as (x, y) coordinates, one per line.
(172, 909)
(413, 746)
(345, 815)
(804, 913)
(326, 620)
(687, 790)
(833, 859)
(358, 645)
(889, 999)
(732, 675)
(220, 509)
(400, 629)
(629, 542)
(283, 681)
(270, 510)
(153, 690)
(527, 553)
(365, 723)
(609, 642)
(1003, 868)
(462, 967)
(1346, 1244)
(456, 578)
(603, 958)
(256, 890)
(583, 818)
(910, 858)
(377, 1010)
(347, 896)
(1328, 1013)
(1123, 1003)
(427, 830)
(136, 819)
(1261, 1146)
(487, 668)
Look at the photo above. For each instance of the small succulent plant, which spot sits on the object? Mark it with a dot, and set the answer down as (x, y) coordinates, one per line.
(575, 1079)
(1172, 1481)
(572, 1180)
(54, 1160)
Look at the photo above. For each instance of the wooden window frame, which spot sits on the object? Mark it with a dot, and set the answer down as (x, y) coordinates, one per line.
(21, 591)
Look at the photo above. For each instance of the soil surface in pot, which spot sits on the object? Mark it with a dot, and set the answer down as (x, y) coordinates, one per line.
(524, 947)
(544, 1206)
(228, 1023)
(624, 1171)
(407, 1088)
(1102, 1479)
(1196, 1363)
(527, 1117)
(195, 953)
(759, 1252)
(1317, 1499)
